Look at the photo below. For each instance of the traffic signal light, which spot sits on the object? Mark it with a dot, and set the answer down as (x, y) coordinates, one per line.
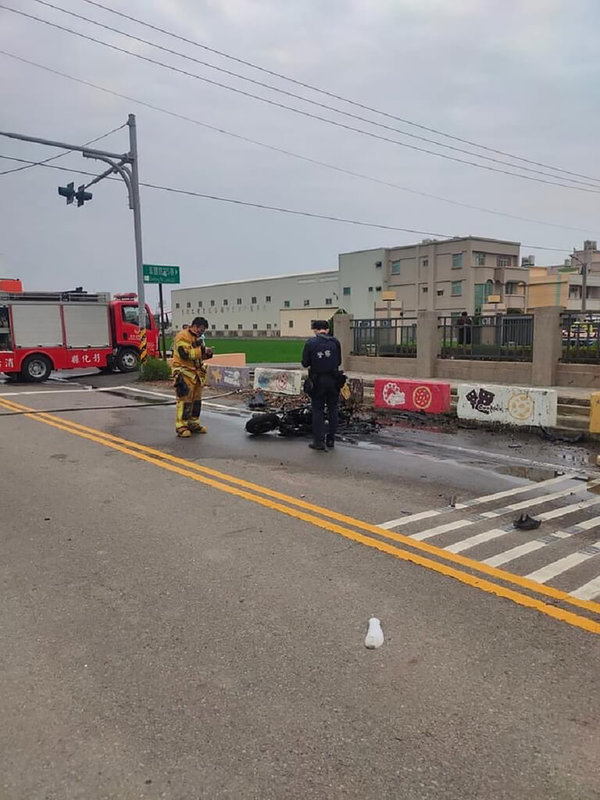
(82, 196)
(67, 191)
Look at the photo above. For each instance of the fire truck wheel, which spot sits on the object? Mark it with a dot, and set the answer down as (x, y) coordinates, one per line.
(128, 360)
(36, 368)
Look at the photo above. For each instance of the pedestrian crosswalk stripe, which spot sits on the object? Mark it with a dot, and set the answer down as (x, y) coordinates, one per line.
(473, 541)
(540, 499)
(558, 567)
(514, 553)
(572, 509)
(589, 590)
(488, 498)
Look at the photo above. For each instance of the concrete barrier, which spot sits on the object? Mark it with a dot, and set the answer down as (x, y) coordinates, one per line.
(223, 377)
(279, 381)
(429, 396)
(229, 359)
(511, 405)
(595, 413)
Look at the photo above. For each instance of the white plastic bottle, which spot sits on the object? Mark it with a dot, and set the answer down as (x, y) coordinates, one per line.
(374, 637)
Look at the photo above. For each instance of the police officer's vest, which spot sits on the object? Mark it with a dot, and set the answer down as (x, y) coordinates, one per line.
(323, 354)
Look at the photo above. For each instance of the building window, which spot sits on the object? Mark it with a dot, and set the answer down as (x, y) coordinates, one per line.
(239, 301)
(226, 327)
(456, 288)
(457, 260)
(395, 268)
(328, 301)
(346, 291)
(440, 292)
(268, 298)
(188, 305)
(425, 289)
(286, 303)
(199, 303)
(212, 302)
(511, 287)
(254, 326)
(240, 326)
(425, 262)
(291, 323)
(479, 259)
(378, 288)
(503, 261)
(370, 288)
(225, 302)
(176, 305)
(306, 303)
(268, 326)
(214, 327)
(253, 300)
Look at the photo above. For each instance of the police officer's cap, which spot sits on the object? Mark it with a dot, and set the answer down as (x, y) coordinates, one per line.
(319, 325)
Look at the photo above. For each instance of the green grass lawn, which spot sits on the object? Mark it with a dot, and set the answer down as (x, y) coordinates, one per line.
(274, 351)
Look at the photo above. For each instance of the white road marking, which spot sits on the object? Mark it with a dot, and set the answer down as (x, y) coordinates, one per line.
(587, 524)
(437, 531)
(61, 391)
(531, 487)
(572, 509)
(536, 501)
(479, 538)
(589, 590)
(411, 518)
(557, 567)
(514, 553)
(476, 501)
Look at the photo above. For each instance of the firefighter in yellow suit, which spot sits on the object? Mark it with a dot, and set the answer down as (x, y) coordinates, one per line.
(189, 376)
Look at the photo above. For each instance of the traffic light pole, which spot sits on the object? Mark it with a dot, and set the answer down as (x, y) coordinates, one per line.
(137, 230)
(126, 165)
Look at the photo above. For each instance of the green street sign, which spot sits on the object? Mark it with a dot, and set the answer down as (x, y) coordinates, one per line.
(159, 273)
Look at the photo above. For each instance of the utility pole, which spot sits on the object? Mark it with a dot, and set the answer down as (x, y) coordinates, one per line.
(137, 230)
(125, 165)
(584, 276)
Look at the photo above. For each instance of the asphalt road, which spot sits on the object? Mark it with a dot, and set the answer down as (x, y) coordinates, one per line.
(187, 620)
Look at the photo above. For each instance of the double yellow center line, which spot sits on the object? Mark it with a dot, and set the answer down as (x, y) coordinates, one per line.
(529, 593)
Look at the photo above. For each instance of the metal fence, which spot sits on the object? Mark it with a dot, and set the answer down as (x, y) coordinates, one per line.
(580, 338)
(496, 338)
(385, 337)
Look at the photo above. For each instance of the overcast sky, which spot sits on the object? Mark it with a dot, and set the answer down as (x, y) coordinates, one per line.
(521, 76)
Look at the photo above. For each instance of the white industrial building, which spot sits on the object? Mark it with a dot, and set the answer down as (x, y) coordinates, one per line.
(280, 306)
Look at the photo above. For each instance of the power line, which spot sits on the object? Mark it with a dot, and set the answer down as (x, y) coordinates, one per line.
(332, 95)
(279, 209)
(291, 108)
(60, 155)
(272, 88)
(283, 151)
(305, 99)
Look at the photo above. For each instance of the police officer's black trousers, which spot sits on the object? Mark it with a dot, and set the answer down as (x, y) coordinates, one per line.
(326, 394)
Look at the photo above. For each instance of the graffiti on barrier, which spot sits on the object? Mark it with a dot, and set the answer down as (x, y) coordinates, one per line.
(278, 381)
(511, 405)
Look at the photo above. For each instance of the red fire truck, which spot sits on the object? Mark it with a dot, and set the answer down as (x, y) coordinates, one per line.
(44, 331)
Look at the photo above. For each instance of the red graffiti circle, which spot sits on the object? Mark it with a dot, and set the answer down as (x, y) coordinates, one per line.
(422, 397)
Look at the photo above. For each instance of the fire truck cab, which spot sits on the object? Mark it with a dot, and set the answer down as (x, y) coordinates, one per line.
(45, 331)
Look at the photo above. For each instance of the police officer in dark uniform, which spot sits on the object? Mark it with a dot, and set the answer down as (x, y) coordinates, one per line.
(323, 356)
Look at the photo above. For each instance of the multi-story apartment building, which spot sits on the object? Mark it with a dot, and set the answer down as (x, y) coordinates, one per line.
(563, 284)
(447, 276)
